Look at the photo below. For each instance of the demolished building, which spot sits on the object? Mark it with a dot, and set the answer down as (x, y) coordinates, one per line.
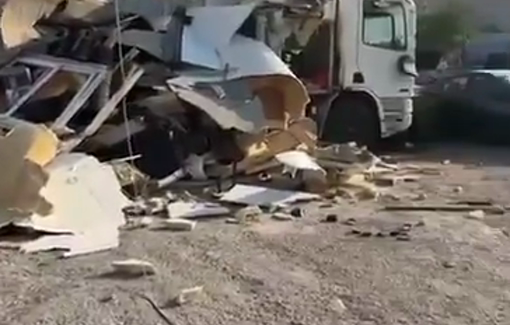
(188, 80)
(178, 88)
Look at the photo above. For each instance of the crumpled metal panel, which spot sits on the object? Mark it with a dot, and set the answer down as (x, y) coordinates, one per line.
(24, 151)
(19, 18)
(220, 103)
(153, 10)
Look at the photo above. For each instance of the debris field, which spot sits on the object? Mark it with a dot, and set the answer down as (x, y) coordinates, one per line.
(159, 166)
(321, 262)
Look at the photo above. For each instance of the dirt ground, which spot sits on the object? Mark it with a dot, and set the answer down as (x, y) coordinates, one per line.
(452, 271)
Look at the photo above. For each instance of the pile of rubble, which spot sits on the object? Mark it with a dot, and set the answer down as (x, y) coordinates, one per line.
(106, 103)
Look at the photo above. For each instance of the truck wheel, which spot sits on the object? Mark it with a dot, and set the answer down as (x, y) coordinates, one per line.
(352, 119)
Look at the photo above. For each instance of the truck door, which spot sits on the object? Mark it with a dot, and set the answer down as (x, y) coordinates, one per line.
(386, 36)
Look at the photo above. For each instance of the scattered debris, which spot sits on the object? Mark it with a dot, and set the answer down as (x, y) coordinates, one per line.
(355, 231)
(25, 150)
(402, 233)
(314, 175)
(248, 214)
(326, 205)
(265, 177)
(331, 218)
(357, 186)
(297, 212)
(395, 233)
(174, 224)
(94, 141)
(389, 197)
(476, 215)
(194, 210)
(128, 176)
(381, 234)
(366, 233)
(262, 196)
(146, 207)
(338, 306)
(448, 264)
(137, 223)
(188, 296)
(133, 267)
(406, 227)
(446, 207)
(424, 170)
(420, 197)
(458, 189)
(156, 206)
(280, 216)
(420, 223)
(350, 222)
(475, 202)
(273, 208)
(136, 209)
(403, 237)
(392, 180)
(105, 298)
(87, 207)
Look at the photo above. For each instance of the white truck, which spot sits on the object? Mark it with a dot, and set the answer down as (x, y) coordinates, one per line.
(359, 68)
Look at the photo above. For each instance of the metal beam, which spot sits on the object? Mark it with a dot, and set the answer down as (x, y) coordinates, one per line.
(41, 81)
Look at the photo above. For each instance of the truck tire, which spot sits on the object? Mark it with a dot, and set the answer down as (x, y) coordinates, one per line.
(352, 119)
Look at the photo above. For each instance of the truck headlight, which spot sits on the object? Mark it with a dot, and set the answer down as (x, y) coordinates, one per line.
(406, 65)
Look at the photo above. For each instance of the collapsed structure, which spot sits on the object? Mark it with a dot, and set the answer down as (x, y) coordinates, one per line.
(179, 89)
(175, 81)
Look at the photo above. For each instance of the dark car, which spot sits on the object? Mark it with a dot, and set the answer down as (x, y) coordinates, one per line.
(469, 105)
(487, 51)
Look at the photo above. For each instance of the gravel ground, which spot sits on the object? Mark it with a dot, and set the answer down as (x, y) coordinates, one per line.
(452, 271)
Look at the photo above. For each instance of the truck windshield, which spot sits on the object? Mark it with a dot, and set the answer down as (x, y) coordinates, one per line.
(384, 27)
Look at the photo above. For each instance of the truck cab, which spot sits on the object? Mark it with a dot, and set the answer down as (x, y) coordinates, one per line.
(359, 68)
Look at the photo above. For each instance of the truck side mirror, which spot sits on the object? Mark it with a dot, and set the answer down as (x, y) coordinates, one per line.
(407, 65)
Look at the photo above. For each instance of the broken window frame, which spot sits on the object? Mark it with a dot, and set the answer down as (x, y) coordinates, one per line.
(12, 74)
(97, 76)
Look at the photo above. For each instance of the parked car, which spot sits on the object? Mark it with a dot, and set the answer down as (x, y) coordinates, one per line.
(487, 51)
(472, 105)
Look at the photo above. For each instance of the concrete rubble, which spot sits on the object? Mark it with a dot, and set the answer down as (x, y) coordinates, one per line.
(186, 296)
(103, 110)
(133, 267)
